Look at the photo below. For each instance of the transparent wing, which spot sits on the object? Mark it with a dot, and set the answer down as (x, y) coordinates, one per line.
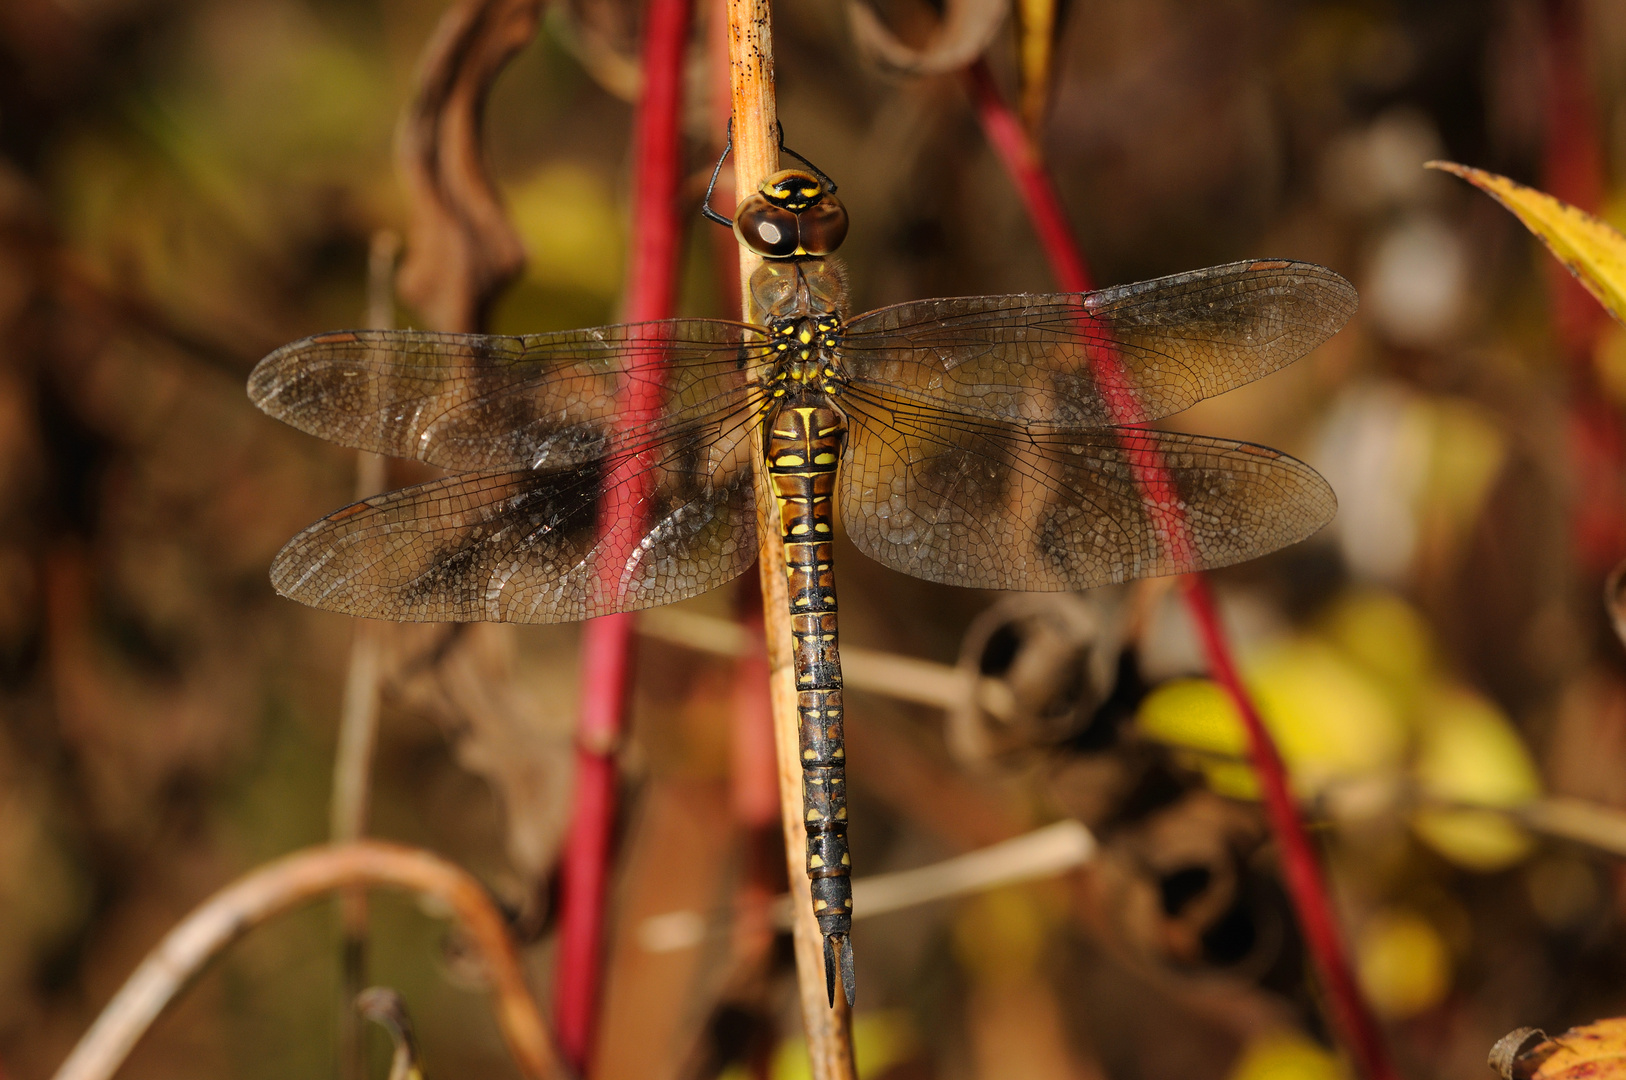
(1127, 354)
(471, 402)
(525, 546)
(994, 505)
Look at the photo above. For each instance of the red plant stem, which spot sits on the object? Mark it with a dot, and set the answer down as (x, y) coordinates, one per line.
(1009, 139)
(1572, 166)
(1305, 883)
(1572, 169)
(607, 642)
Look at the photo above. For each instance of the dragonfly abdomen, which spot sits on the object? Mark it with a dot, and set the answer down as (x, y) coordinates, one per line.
(803, 447)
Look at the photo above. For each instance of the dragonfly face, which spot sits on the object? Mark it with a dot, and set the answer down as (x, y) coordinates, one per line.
(971, 440)
(792, 214)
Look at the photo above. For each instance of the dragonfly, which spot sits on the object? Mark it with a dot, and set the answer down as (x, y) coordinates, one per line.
(992, 442)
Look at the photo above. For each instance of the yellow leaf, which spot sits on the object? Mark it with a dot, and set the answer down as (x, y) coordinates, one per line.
(1329, 718)
(1387, 637)
(1468, 753)
(1403, 963)
(1285, 1055)
(1596, 1051)
(1591, 250)
(881, 1040)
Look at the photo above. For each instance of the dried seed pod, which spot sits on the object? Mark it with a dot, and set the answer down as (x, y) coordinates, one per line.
(1044, 663)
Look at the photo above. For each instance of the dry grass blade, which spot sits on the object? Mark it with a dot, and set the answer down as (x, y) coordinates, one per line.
(286, 883)
(1041, 853)
(462, 249)
(1035, 57)
(358, 717)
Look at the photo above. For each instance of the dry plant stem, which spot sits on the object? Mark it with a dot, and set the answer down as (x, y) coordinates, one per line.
(1306, 885)
(358, 717)
(1042, 853)
(607, 643)
(756, 154)
(286, 883)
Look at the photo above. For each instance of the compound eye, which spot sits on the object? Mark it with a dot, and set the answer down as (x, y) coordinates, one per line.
(766, 229)
(823, 226)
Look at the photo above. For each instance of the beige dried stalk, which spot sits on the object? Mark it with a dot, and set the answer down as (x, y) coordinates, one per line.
(756, 154)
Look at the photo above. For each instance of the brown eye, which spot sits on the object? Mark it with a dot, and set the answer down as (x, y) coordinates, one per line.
(823, 226)
(765, 228)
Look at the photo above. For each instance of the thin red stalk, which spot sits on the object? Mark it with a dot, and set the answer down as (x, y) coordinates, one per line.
(607, 642)
(1306, 885)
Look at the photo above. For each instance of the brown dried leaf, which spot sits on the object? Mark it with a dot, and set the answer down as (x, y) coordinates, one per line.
(461, 248)
(965, 32)
(1596, 1051)
(463, 676)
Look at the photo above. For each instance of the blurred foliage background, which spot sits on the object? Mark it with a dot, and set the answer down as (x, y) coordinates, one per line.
(186, 184)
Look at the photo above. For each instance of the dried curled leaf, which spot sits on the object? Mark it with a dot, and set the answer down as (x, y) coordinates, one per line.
(967, 29)
(1614, 600)
(596, 34)
(461, 248)
(1596, 1051)
(466, 679)
(386, 1008)
(1590, 249)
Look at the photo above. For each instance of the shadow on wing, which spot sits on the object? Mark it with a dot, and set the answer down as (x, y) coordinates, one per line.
(525, 546)
(470, 402)
(1079, 359)
(988, 505)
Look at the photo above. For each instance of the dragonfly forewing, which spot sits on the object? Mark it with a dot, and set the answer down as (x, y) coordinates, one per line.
(470, 402)
(1073, 359)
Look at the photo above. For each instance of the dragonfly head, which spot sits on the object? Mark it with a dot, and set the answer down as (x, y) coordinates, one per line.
(792, 215)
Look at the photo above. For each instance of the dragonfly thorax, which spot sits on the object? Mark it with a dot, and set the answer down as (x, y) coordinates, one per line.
(792, 287)
(804, 349)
